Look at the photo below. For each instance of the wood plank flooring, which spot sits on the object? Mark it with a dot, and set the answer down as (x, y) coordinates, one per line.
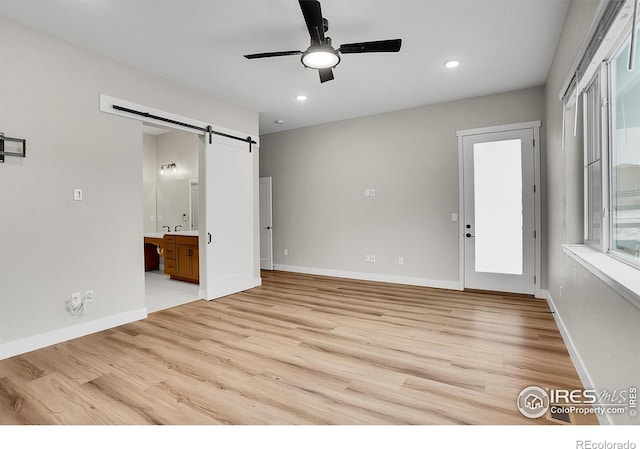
(301, 349)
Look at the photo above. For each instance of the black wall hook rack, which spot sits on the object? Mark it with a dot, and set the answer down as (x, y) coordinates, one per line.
(3, 153)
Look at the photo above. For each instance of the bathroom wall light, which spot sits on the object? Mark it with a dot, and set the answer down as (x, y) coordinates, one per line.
(169, 168)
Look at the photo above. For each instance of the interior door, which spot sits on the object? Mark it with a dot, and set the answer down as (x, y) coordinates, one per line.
(499, 211)
(266, 224)
(227, 234)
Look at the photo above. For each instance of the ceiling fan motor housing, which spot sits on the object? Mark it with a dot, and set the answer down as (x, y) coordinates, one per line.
(322, 56)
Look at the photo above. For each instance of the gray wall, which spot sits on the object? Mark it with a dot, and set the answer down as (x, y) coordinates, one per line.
(50, 245)
(410, 158)
(603, 327)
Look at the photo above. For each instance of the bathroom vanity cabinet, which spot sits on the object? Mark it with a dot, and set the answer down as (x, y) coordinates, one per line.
(180, 252)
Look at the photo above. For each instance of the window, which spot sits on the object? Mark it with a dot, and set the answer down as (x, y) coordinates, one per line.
(625, 156)
(611, 109)
(593, 163)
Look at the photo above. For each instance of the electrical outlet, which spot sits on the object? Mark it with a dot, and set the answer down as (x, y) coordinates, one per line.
(76, 299)
(90, 295)
(367, 258)
(286, 252)
(372, 192)
(400, 260)
(373, 259)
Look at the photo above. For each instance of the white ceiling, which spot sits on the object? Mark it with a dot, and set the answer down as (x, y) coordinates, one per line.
(502, 45)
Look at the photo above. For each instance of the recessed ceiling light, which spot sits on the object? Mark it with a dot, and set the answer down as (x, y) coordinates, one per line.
(301, 97)
(452, 64)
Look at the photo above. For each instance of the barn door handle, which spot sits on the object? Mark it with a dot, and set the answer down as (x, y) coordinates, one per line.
(209, 234)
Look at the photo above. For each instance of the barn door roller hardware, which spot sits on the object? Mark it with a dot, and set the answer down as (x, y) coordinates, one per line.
(3, 153)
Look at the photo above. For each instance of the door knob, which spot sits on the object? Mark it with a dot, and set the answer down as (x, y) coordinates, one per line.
(469, 235)
(468, 226)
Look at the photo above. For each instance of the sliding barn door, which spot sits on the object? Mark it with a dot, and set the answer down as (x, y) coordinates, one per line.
(227, 237)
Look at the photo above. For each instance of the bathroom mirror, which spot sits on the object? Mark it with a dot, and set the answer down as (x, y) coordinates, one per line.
(173, 205)
(170, 171)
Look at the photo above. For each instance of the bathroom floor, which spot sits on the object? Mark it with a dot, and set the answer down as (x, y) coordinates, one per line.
(163, 293)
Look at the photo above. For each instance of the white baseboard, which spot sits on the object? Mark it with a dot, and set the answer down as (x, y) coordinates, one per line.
(393, 279)
(581, 368)
(43, 340)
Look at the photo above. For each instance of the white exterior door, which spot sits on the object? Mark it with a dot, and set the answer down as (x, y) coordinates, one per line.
(227, 234)
(266, 224)
(499, 211)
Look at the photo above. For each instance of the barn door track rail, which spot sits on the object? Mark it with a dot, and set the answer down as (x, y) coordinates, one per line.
(209, 129)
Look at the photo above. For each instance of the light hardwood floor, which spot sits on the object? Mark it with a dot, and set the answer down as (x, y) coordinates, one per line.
(301, 349)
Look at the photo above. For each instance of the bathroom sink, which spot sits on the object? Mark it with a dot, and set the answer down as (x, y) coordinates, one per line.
(190, 233)
(159, 235)
(154, 235)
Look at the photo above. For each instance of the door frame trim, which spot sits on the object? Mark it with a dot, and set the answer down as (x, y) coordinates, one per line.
(269, 180)
(535, 126)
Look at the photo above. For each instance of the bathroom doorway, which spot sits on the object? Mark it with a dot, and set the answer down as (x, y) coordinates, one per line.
(170, 178)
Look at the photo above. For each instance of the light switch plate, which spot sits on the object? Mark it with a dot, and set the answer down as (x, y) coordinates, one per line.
(77, 194)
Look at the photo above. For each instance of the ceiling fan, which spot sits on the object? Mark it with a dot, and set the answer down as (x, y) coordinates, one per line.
(321, 55)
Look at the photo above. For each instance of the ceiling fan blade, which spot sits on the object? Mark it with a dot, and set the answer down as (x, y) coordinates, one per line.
(325, 75)
(391, 45)
(272, 54)
(313, 17)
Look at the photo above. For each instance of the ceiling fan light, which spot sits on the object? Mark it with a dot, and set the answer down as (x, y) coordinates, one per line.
(320, 57)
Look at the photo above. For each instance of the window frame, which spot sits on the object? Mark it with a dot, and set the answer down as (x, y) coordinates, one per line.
(599, 80)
